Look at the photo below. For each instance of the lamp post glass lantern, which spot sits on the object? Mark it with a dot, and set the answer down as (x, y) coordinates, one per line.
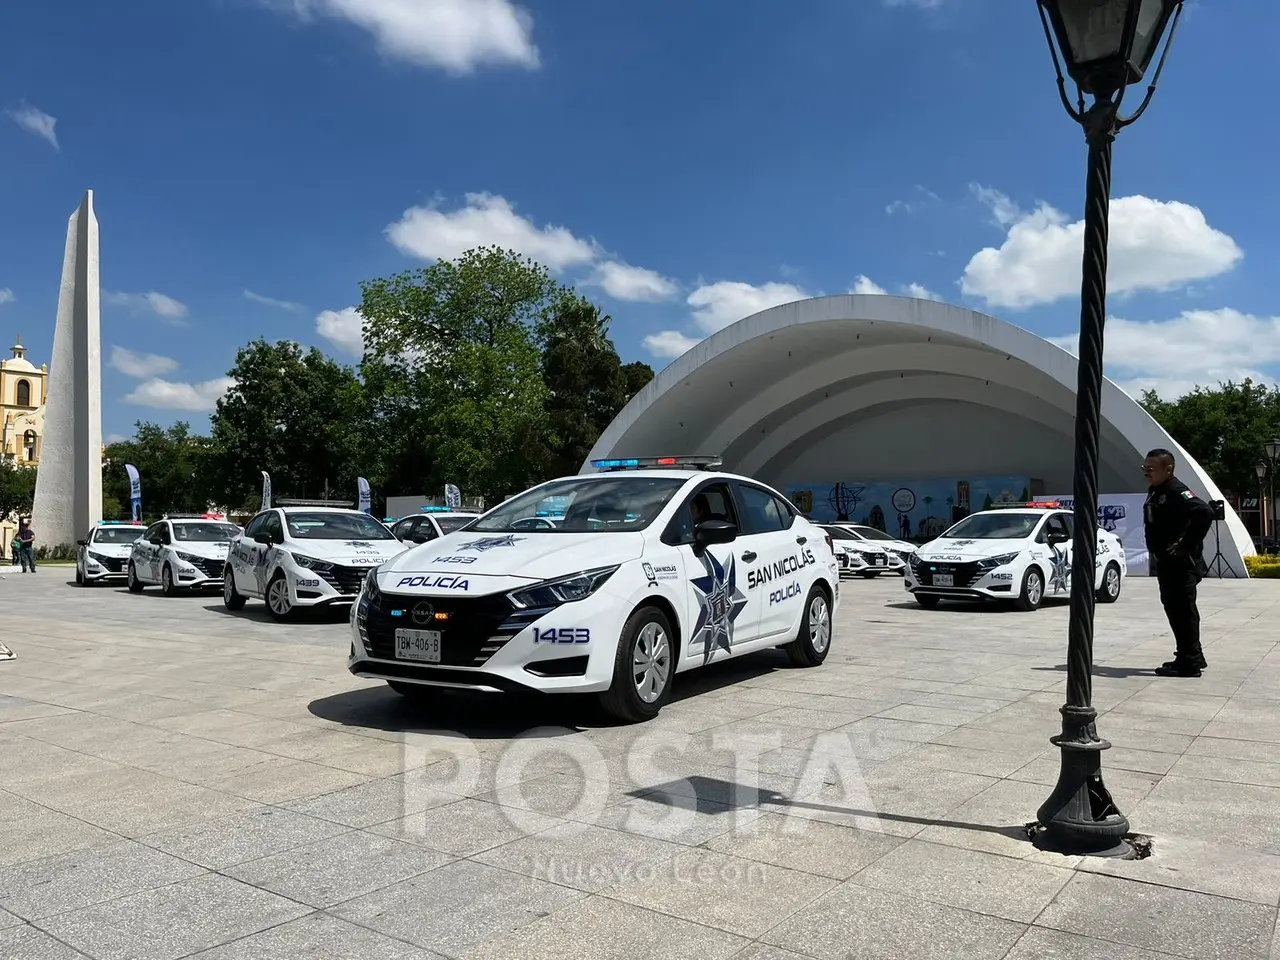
(1106, 45)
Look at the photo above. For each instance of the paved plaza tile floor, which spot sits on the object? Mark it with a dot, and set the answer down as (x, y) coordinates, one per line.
(176, 781)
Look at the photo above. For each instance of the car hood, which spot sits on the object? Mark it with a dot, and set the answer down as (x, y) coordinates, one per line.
(352, 553)
(529, 555)
(120, 550)
(945, 549)
(202, 548)
(860, 546)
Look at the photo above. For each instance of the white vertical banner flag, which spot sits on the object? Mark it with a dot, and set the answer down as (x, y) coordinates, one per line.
(135, 491)
(366, 495)
(452, 497)
(266, 490)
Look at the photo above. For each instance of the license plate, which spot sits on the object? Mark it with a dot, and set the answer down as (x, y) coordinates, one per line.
(421, 645)
(879, 561)
(943, 580)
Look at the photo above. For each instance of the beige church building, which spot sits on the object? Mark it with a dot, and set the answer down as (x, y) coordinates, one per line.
(23, 391)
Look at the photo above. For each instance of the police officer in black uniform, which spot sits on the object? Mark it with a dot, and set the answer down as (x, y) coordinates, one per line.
(1175, 521)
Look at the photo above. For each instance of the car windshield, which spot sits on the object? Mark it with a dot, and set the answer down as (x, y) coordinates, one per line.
(336, 526)
(840, 533)
(871, 533)
(204, 532)
(450, 524)
(994, 526)
(118, 534)
(609, 504)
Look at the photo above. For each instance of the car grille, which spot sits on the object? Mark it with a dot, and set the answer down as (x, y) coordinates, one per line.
(110, 564)
(346, 580)
(209, 567)
(476, 628)
(963, 574)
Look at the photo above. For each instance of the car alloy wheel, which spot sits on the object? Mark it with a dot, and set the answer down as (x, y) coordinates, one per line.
(652, 662)
(819, 622)
(278, 597)
(166, 581)
(1113, 582)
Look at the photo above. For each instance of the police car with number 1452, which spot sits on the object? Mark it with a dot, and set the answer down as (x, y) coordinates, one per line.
(653, 567)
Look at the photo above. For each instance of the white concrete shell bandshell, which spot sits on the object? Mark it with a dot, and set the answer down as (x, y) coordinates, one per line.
(882, 388)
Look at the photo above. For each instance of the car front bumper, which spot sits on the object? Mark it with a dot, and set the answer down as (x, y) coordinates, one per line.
(966, 581)
(488, 645)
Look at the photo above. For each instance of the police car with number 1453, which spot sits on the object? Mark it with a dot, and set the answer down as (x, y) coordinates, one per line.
(653, 567)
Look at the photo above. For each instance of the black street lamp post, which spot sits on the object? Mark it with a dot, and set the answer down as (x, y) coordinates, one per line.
(1106, 45)
(1264, 527)
(1272, 449)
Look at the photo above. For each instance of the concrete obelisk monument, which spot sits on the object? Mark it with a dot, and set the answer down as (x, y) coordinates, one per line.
(69, 481)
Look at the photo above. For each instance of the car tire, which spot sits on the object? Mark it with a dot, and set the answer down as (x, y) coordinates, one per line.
(410, 691)
(813, 642)
(232, 598)
(867, 574)
(277, 596)
(168, 585)
(80, 581)
(646, 660)
(1109, 592)
(928, 601)
(1032, 592)
(135, 585)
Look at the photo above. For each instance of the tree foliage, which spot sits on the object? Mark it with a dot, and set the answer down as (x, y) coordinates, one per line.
(1223, 428)
(174, 466)
(17, 489)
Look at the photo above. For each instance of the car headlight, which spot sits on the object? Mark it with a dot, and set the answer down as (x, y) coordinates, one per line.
(188, 557)
(552, 593)
(311, 563)
(990, 563)
(96, 557)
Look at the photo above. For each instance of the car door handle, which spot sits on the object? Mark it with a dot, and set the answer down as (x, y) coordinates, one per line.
(749, 556)
(802, 539)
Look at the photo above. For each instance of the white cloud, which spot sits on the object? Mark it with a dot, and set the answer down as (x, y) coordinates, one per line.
(6, 295)
(1003, 209)
(454, 35)
(486, 220)
(37, 122)
(161, 305)
(273, 302)
(1196, 348)
(1154, 245)
(866, 286)
(716, 305)
(911, 206)
(344, 329)
(625, 282)
(669, 344)
(140, 365)
(111, 438)
(165, 394)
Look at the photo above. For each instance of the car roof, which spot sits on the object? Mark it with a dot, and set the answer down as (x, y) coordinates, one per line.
(303, 509)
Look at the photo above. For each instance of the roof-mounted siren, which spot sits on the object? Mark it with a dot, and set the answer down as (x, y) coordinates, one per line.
(120, 523)
(1033, 504)
(657, 463)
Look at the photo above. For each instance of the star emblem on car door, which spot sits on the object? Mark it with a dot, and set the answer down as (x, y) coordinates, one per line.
(1060, 575)
(720, 602)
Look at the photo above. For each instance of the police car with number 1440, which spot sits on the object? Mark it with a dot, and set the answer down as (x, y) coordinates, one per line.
(653, 567)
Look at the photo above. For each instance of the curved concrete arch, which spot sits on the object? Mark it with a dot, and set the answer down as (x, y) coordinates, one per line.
(811, 384)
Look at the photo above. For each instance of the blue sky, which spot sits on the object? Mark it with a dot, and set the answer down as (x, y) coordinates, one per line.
(253, 160)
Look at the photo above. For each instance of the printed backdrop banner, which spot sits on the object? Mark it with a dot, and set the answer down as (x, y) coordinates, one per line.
(1121, 513)
(916, 510)
(135, 491)
(366, 495)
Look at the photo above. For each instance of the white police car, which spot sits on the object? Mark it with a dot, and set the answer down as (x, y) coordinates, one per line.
(104, 552)
(1021, 552)
(861, 556)
(431, 524)
(902, 549)
(180, 552)
(304, 556)
(654, 567)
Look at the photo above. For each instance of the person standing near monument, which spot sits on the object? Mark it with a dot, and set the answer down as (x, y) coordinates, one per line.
(1175, 522)
(27, 537)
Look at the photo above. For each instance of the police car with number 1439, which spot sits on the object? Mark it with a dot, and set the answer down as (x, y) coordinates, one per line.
(654, 566)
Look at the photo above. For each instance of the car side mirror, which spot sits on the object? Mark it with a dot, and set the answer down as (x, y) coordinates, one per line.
(82, 543)
(417, 538)
(1059, 538)
(262, 538)
(158, 541)
(714, 532)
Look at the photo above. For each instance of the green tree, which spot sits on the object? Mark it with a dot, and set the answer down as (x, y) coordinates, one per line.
(453, 370)
(173, 465)
(296, 414)
(588, 384)
(17, 489)
(1223, 428)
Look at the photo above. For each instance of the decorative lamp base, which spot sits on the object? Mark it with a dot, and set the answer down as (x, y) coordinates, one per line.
(1080, 818)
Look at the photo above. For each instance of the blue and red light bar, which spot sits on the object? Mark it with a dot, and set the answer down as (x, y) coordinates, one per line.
(675, 463)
